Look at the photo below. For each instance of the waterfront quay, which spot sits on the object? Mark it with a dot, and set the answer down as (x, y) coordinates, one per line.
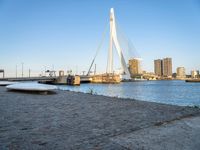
(72, 120)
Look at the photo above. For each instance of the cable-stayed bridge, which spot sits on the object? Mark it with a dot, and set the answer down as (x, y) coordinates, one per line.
(123, 46)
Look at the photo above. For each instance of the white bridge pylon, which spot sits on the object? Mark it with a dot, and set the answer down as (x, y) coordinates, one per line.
(114, 42)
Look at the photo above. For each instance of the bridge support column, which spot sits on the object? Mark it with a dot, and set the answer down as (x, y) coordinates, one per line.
(114, 41)
(2, 71)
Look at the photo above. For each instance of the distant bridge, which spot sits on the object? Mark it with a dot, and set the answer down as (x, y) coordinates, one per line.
(29, 79)
(84, 79)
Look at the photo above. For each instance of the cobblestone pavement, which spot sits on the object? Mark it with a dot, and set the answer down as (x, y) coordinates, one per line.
(69, 120)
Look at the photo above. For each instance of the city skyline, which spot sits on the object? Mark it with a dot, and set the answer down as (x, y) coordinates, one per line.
(66, 34)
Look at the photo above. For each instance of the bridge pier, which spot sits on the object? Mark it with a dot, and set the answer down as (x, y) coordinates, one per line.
(2, 71)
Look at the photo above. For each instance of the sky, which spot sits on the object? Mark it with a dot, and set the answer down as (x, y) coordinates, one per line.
(65, 34)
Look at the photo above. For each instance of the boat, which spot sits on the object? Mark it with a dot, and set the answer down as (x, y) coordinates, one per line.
(192, 80)
(31, 87)
(134, 80)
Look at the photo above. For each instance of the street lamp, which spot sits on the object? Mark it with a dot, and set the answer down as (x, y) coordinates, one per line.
(22, 70)
(29, 73)
(16, 71)
(45, 68)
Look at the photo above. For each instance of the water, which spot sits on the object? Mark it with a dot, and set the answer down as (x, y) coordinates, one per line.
(170, 92)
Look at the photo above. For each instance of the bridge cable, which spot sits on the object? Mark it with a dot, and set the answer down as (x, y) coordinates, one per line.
(98, 48)
(126, 41)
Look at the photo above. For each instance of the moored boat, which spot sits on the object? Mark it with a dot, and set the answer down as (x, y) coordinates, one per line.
(31, 87)
(192, 80)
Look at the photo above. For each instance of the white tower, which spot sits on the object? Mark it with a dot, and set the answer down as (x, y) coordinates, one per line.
(114, 41)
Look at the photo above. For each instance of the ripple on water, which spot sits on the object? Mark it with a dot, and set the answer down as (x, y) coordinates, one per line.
(170, 92)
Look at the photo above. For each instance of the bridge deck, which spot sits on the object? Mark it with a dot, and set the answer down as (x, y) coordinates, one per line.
(83, 79)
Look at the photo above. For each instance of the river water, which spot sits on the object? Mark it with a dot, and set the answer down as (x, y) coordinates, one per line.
(174, 92)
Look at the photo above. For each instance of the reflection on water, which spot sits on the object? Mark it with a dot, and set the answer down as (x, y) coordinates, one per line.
(170, 92)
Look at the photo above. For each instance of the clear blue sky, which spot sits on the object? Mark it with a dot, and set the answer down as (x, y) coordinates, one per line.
(66, 33)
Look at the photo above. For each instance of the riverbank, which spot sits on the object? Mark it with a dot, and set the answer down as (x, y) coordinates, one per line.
(70, 120)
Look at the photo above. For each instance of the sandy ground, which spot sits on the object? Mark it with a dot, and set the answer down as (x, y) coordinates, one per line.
(69, 120)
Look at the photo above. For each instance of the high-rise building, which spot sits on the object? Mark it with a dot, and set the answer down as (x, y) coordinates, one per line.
(158, 69)
(135, 67)
(194, 73)
(180, 73)
(163, 67)
(167, 67)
